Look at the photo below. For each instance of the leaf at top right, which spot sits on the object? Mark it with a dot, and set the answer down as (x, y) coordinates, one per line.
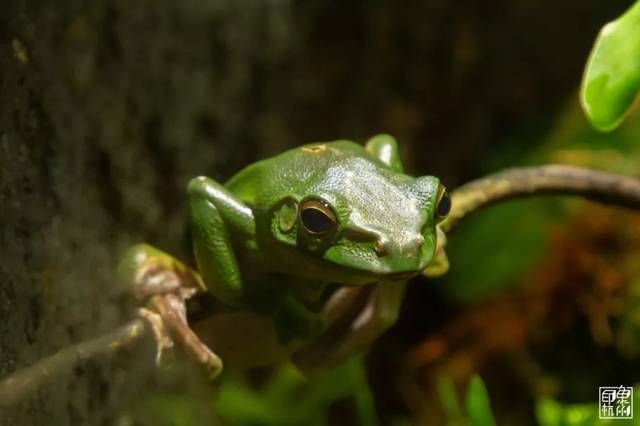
(612, 76)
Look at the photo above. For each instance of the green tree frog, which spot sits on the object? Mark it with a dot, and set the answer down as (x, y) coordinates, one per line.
(308, 254)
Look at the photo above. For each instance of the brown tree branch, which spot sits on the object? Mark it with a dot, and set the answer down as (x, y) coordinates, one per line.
(521, 182)
(22, 383)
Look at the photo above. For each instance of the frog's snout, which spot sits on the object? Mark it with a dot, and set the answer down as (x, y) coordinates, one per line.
(409, 248)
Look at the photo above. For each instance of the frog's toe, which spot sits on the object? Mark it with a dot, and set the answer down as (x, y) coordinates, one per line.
(214, 367)
(163, 340)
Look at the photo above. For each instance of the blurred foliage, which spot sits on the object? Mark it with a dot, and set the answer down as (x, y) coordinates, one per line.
(283, 397)
(612, 76)
(553, 413)
(510, 254)
(565, 296)
(477, 406)
(290, 399)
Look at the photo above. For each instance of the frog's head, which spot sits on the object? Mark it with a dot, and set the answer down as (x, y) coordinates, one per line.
(365, 219)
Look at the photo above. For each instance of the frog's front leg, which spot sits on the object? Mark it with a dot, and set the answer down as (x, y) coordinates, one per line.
(215, 216)
(164, 283)
(380, 311)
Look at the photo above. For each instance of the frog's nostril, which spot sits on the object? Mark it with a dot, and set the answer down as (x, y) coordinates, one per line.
(381, 248)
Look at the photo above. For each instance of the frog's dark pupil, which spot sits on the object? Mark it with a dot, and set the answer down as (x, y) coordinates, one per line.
(444, 206)
(315, 220)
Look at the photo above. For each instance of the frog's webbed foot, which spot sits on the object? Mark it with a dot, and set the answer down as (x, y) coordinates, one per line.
(165, 284)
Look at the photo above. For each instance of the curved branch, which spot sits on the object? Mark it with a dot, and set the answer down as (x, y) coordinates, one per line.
(22, 383)
(549, 179)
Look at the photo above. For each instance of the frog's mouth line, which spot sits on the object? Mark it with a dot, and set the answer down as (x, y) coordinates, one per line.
(397, 276)
(376, 276)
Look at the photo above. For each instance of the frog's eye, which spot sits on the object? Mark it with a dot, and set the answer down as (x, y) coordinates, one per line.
(443, 207)
(317, 217)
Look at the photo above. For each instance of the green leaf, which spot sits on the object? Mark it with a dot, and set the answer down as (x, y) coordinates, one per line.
(477, 404)
(552, 413)
(612, 75)
(449, 399)
(486, 260)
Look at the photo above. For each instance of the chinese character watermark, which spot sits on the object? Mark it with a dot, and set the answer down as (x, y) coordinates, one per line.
(615, 402)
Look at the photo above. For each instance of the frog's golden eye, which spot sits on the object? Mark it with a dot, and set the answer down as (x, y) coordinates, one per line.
(317, 217)
(443, 206)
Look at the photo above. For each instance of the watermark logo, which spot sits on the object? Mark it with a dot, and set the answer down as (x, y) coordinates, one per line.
(615, 402)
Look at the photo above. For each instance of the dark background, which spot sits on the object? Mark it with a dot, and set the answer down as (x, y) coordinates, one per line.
(118, 103)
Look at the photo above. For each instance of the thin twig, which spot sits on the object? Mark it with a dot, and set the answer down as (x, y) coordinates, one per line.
(542, 180)
(22, 383)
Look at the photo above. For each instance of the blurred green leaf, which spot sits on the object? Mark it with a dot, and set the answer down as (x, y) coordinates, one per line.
(365, 405)
(612, 75)
(449, 399)
(551, 413)
(492, 249)
(477, 404)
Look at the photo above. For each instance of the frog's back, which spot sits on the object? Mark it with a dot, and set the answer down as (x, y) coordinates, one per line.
(283, 173)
